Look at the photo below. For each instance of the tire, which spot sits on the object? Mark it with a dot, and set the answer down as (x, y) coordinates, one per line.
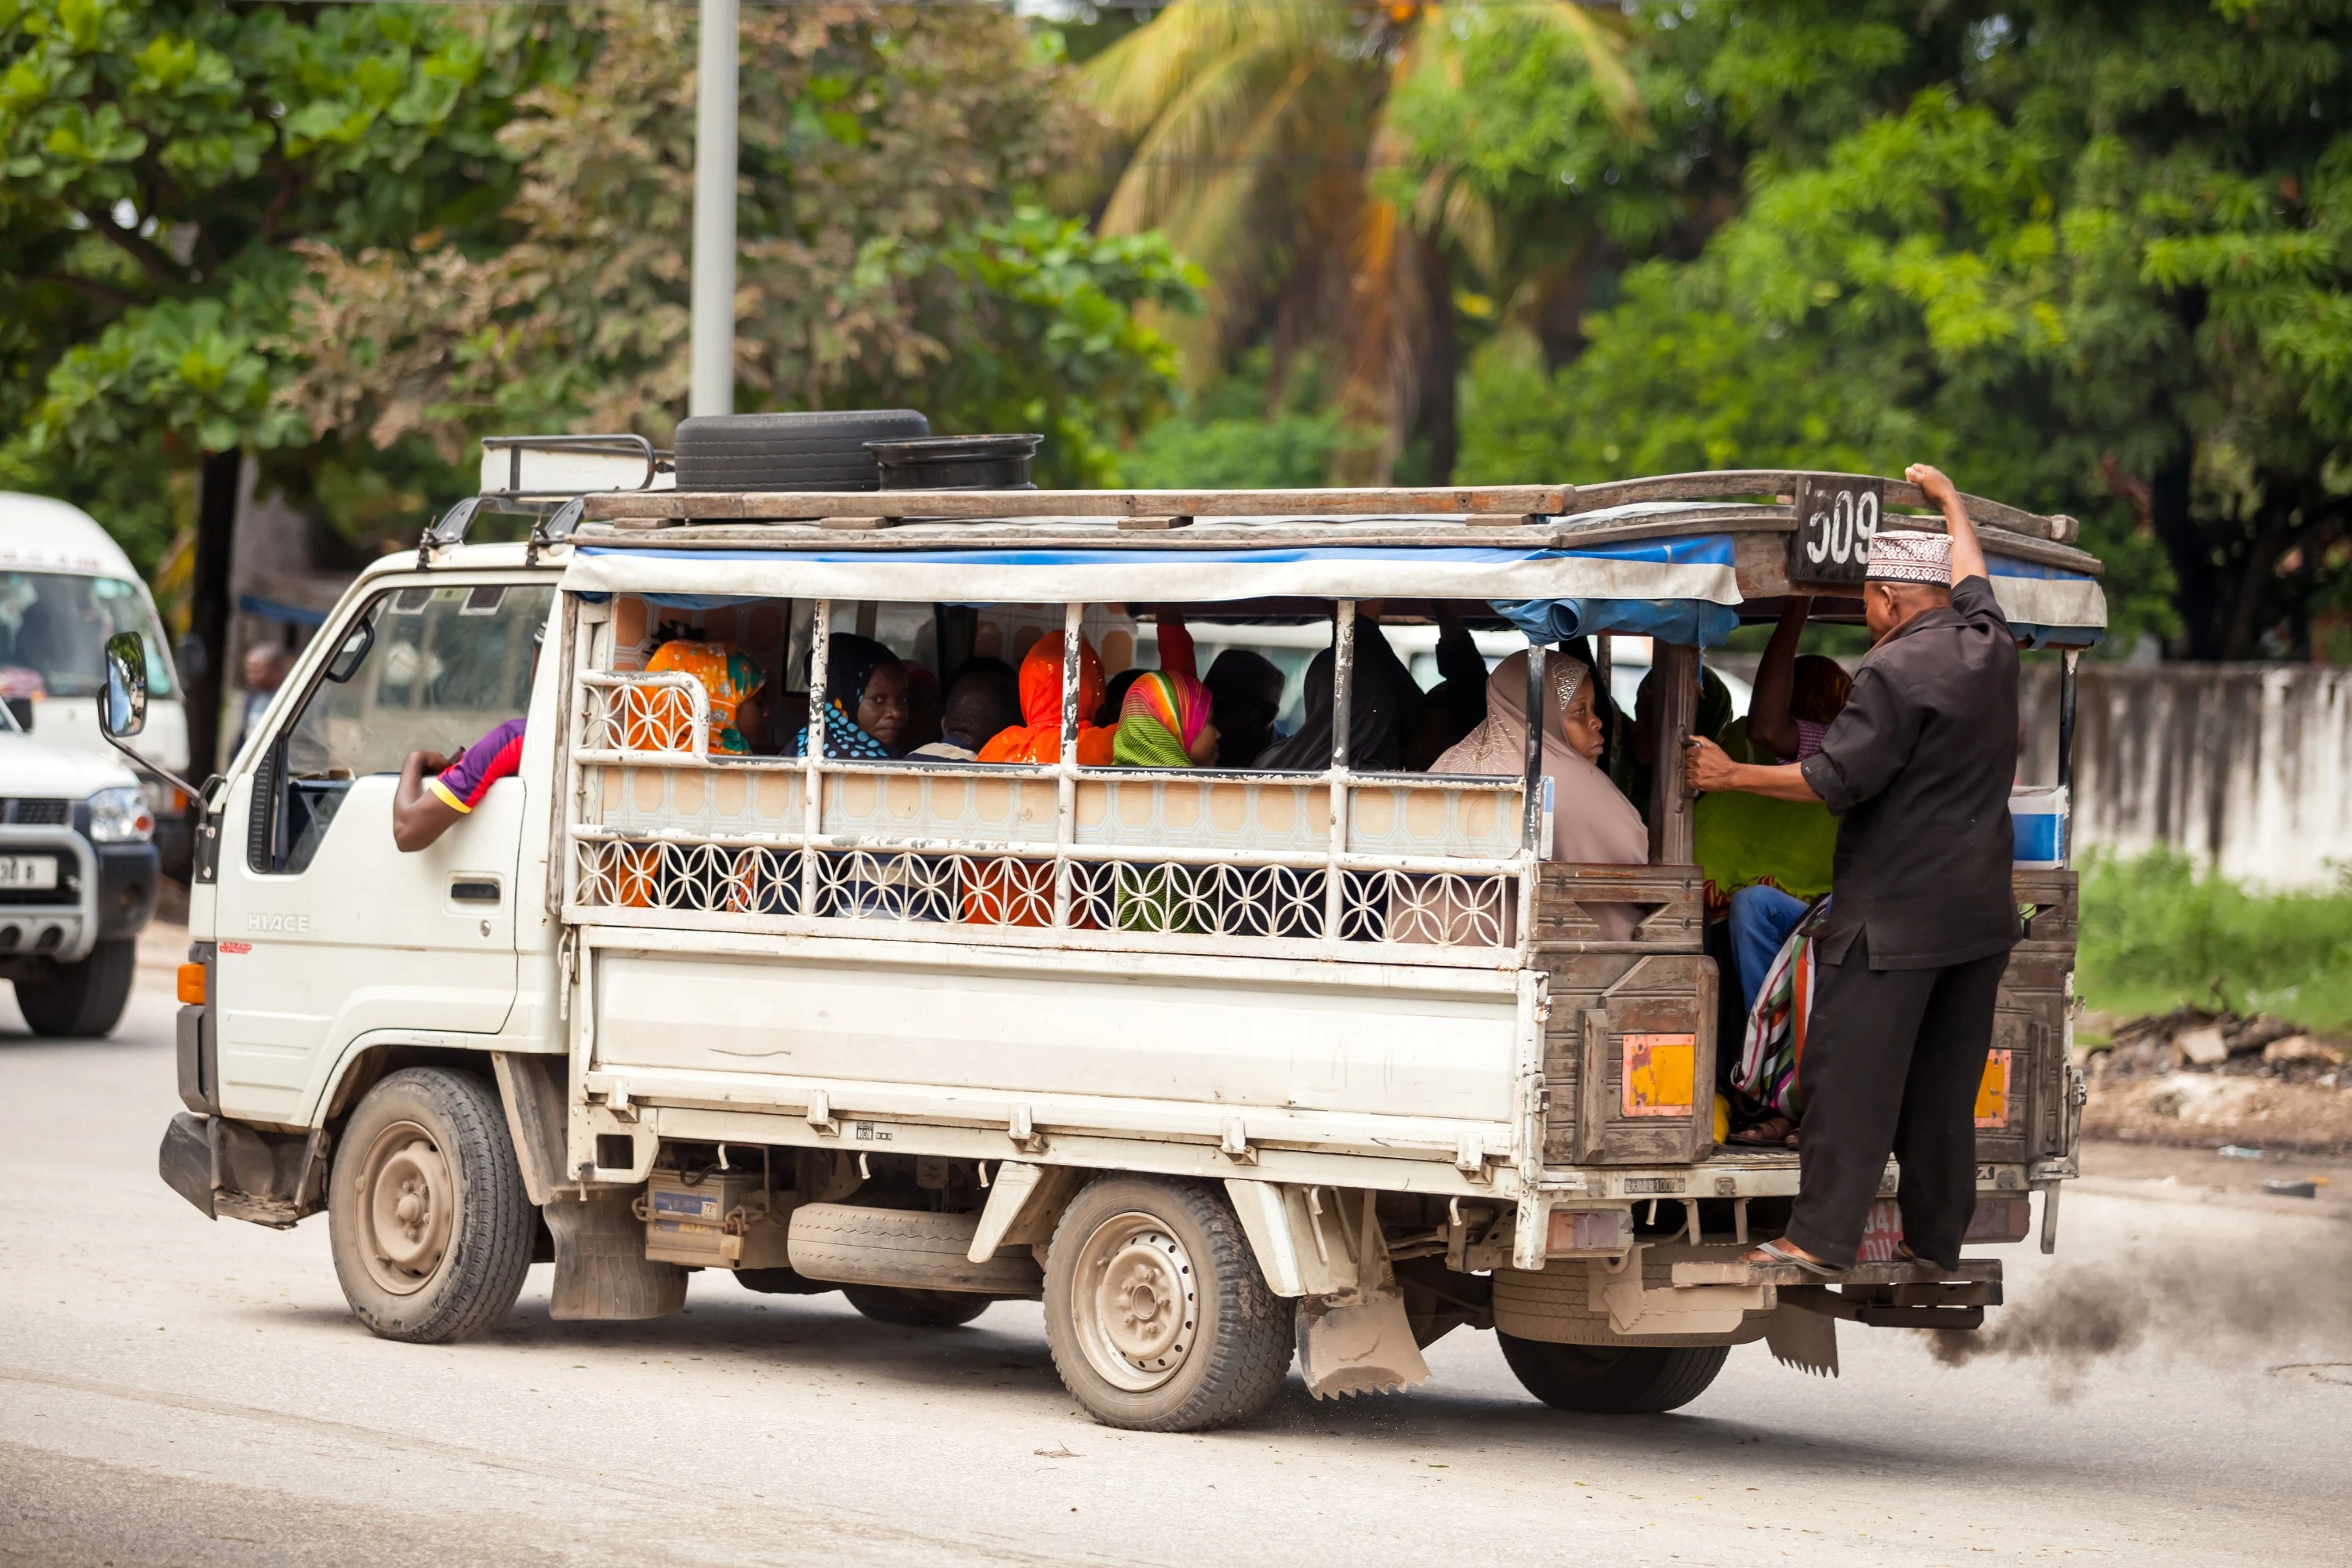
(1211, 1344)
(81, 1000)
(426, 1215)
(789, 451)
(909, 1249)
(1613, 1380)
(916, 1308)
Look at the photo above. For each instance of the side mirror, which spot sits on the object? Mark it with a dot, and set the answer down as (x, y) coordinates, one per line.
(122, 709)
(355, 651)
(20, 709)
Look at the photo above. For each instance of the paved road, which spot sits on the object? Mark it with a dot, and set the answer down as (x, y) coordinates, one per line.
(177, 1391)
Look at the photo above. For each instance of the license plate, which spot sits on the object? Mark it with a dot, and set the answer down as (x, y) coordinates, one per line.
(1835, 517)
(27, 872)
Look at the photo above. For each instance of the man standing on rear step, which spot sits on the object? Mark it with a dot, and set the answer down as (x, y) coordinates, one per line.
(1910, 952)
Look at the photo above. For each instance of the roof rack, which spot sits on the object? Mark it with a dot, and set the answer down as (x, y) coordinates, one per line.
(545, 468)
(1152, 509)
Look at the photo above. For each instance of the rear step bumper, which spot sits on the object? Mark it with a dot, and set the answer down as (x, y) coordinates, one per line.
(1875, 1295)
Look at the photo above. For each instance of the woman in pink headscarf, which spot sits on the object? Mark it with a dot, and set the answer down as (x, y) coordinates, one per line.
(1593, 823)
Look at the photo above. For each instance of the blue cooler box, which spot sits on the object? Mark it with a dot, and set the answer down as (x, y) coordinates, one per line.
(2038, 814)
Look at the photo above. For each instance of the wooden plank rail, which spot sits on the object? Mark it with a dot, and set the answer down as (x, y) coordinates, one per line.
(1535, 502)
(1537, 516)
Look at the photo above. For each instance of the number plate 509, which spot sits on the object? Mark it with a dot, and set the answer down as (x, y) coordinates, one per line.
(1835, 520)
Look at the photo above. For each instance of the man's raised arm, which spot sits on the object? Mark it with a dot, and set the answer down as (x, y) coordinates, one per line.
(1968, 554)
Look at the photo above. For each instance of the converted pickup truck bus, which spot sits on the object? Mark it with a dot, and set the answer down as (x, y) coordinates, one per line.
(1230, 1067)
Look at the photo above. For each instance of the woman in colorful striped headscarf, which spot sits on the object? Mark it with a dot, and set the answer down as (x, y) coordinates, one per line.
(1164, 723)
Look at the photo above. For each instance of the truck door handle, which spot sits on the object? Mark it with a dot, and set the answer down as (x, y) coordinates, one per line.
(474, 890)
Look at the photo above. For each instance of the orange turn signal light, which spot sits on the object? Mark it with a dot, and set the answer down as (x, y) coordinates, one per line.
(192, 984)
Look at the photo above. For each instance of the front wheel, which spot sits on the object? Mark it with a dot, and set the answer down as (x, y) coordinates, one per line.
(1156, 1312)
(1613, 1380)
(426, 1216)
(81, 1000)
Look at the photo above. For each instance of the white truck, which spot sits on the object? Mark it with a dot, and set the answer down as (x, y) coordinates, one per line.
(1230, 1066)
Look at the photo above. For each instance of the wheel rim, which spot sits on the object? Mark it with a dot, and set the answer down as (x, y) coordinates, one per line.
(1135, 1298)
(408, 1203)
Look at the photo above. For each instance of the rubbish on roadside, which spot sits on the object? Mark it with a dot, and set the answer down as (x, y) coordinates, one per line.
(2239, 1152)
(2305, 1188)
(2201, 1098)
(2300, 1048)
(2204, 1047)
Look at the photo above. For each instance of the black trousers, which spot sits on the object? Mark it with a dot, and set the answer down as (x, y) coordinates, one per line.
(1893, 1061)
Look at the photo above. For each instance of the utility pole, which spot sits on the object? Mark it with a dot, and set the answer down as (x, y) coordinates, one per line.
(712, 352)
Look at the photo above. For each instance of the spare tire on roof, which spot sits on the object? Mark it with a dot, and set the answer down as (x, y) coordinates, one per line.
(790, 451)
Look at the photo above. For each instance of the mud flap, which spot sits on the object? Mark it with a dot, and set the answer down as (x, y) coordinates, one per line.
(186, 1161)
(601, 1268)
(1806, 1340)
(1363, 1347)
(1360, 1341)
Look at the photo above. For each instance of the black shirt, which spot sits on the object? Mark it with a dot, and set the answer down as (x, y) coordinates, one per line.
(1918, 769)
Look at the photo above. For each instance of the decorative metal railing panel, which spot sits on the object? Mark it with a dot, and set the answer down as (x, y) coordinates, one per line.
(662, 831)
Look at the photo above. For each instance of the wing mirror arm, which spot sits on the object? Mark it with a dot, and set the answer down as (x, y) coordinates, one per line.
(122, 706)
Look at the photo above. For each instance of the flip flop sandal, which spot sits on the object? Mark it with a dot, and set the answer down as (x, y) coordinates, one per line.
(1780, 1251)
(1773, 1132)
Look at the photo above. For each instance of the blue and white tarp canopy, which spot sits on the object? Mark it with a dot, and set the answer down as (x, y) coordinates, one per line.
(1681, 588)
(2048, 607)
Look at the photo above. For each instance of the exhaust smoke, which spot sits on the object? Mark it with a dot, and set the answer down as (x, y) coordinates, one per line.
(2228, 1305)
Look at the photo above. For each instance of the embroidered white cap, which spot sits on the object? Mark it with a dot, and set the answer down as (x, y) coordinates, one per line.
(1910, 555)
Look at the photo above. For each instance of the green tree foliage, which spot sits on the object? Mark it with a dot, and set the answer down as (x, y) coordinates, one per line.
(1227, 435)
(2092, 258)
(159, 162)
(1257, 134)
(883, 256)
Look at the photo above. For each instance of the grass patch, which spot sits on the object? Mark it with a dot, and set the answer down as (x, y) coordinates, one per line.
(2157, 934)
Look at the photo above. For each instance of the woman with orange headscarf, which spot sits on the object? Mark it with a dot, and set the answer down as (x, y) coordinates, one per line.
(1039, 739)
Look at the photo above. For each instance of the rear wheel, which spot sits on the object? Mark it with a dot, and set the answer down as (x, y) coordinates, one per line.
(1156, 1312)
(1613, 1380)
(81, 1000)
(426, 1216)
(916, 1308)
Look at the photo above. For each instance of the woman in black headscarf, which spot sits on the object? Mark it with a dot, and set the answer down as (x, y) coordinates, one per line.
(866, 707)
(1383, 706)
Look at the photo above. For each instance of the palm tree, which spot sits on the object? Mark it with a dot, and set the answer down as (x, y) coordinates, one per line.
(1255, 134)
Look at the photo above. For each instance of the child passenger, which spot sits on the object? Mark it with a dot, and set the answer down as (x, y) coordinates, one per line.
(984, 700)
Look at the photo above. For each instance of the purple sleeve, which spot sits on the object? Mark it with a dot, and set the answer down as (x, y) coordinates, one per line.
(493, 757)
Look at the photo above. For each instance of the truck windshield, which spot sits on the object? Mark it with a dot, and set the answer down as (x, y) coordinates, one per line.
(53, 632)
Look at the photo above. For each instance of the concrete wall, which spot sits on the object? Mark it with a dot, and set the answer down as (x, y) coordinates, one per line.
(2244, 766)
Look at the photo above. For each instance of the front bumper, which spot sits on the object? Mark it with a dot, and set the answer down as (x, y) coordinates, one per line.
(60, 923)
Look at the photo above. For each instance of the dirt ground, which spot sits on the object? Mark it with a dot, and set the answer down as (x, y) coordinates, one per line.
(2203, 1080)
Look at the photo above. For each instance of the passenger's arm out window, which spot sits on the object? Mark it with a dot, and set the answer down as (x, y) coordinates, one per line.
(424, 667)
